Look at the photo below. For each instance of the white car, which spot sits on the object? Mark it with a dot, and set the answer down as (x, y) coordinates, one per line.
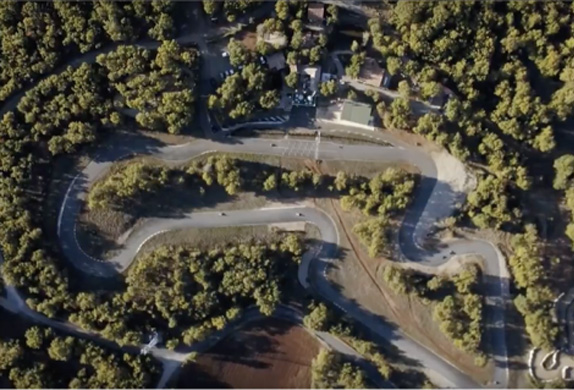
(222, 214)
(225, 54)
(299, 214)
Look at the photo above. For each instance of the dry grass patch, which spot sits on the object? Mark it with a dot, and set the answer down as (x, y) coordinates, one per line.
(360, 279)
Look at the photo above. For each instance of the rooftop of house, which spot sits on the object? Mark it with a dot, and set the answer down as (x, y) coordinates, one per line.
(314, 73)
(357, 112)
(276, 61)
(316, 12)
(371, 73)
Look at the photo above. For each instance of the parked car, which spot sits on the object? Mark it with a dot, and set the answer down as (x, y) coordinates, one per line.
(225, 54)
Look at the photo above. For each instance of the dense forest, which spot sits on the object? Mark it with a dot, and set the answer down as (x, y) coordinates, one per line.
(59, 114)
(509, 67)
(44, 359)
(36, 37)
(187, 293)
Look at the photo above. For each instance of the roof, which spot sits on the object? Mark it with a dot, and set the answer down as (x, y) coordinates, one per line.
(276, 61)
(316, 12)
(314, 72)
(357, 112)
(310, 39)
(371, 73)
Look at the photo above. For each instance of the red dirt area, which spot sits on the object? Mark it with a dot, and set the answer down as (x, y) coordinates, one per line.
(268, 353)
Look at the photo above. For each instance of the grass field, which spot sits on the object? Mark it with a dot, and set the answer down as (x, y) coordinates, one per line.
(269, 353)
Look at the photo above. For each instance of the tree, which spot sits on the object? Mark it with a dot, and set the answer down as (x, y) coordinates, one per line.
(34, 337)
(393, 65)
(563, 172)
(400, 114)
(270, 183)
(319, 318)
(11, 352)
(238, 54)
(354, 67)
(61, 349)
(355, 47)
(328, 88)
(282, 9)
(341, 181)
(332, 14)
(544, 141)
(210, 6)
(404, 89)
(269, 99)
(291, 80)
(292, 58)
(315, 54)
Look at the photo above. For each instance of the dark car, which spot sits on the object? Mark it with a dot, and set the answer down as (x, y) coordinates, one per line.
(213, 83)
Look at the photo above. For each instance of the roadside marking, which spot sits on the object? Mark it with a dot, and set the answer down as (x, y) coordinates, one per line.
(150, 237)
(60, 216)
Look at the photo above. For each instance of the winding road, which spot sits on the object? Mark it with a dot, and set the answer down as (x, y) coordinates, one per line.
(434, 200)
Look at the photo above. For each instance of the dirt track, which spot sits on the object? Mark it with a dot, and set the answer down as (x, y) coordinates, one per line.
(268, 353)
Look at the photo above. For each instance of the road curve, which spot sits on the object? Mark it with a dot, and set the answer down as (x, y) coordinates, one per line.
(410, 236)
(419, 217)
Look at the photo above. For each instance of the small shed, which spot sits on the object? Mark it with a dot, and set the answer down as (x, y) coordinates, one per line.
(316, 13)
(358, 113)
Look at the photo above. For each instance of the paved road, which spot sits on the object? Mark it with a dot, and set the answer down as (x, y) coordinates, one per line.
(428, 207)
(418, 218)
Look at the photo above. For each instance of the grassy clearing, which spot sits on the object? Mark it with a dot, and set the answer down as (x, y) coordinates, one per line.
(207, 238)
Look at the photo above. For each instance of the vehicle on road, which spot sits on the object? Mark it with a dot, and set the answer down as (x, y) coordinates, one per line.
(222, 214)
(213, 83)
(225, 54)
(299, 214)
(273, 145)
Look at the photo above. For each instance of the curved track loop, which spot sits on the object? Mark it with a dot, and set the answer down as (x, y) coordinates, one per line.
(419, 217)
(434, 200)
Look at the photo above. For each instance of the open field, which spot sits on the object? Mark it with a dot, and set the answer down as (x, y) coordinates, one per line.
(269, 353)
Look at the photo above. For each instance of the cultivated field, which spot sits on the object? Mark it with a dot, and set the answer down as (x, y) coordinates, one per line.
(269, 353)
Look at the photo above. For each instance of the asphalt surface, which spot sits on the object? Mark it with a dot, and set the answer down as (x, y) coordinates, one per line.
(410, 238)
(417, 222)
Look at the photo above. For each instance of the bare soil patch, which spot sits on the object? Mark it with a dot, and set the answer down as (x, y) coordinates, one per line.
(269, 353)
(248, 38)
